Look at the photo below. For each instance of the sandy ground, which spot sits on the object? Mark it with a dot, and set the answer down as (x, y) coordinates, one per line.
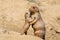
(12, 16)
(18, 37)
(11, 35)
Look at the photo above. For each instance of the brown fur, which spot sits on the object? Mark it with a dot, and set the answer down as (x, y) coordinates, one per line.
(34, 18)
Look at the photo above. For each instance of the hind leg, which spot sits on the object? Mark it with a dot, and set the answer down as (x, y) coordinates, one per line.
(25, 28)
(39, 32)
(25, 33)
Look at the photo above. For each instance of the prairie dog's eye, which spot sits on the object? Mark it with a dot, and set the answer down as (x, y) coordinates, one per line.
(33, 7)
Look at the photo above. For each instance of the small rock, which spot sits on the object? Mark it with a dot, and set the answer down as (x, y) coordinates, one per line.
(57, 30)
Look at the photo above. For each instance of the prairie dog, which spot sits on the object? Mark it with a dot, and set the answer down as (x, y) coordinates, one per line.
(33, 17)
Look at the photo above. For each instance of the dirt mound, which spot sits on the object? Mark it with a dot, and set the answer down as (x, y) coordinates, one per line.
(11, 35)
(18, 37)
